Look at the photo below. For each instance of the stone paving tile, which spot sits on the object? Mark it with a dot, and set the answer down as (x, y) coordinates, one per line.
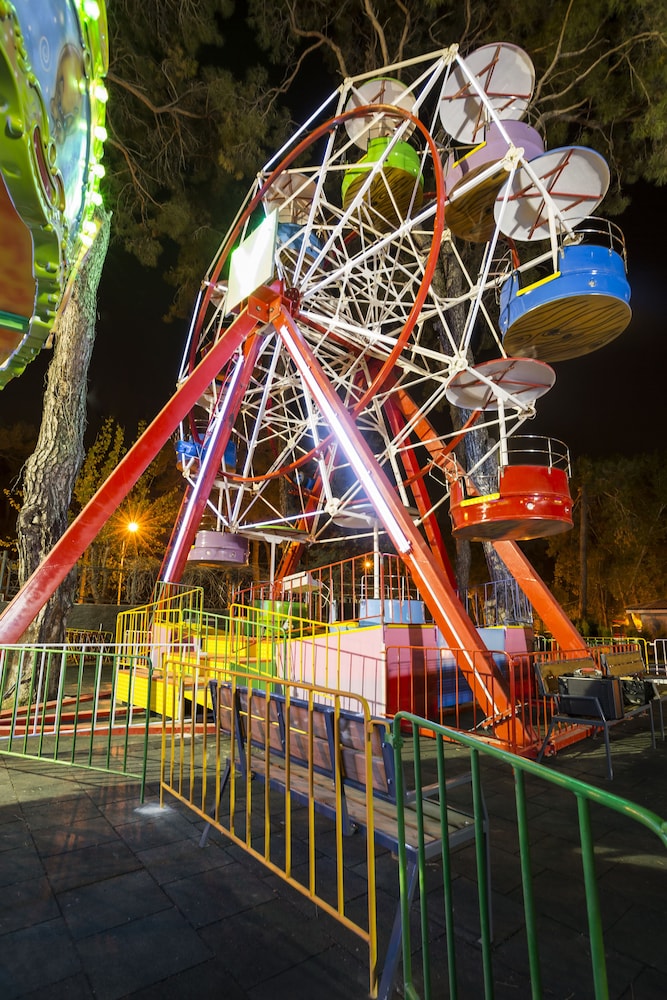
(640, 933)
(34, 957)
(139, 953)
(152, 826)
(72, 988)
(207, 981)
(106, 790)
(8, 798)
(90, 864)
(73, 836)
(41, 790)
(26, 903)
(564, 899)
(113, 907)
(563, 856)
(333, 974)
(100, 906)
(212, 895)
(19, 865)
(508, 983)
(565, 961)
(649, 985)
(13, 834)
(280, 940)
(355, 885)
(61, 812)
(631, 847)
(180, 859)
(128, 809)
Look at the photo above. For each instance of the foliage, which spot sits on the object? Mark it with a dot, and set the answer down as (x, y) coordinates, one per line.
(181, 129)
(118, 556)
(601, 67)
(16, 444)
(188, 125)
(627, 537)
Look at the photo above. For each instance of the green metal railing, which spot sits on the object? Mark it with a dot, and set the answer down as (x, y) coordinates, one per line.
(410, 749)
(62, 704)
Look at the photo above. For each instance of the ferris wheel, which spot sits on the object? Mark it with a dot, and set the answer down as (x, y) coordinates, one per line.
(414, 217)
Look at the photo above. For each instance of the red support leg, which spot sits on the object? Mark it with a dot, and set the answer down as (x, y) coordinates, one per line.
(50, 573)
(194, 503)
(475, 660)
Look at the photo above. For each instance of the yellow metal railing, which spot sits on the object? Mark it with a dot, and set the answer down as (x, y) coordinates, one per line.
(205, 767)
(169, 622)
(373, 586)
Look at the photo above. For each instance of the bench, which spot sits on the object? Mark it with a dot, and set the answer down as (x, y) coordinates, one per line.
(630, 667)
(583, 709)
(320, 755)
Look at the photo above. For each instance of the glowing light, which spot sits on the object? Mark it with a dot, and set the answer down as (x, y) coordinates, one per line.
(101, 93)
(217, 428)
(252, 263)
(92, 9)
(100, 133)
(98, 169)
(349, 446)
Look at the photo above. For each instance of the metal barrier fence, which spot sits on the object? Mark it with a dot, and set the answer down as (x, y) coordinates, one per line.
(321, 863)
(499, 602)
(659, 664)
(74, 706)
(435, 678)
(87, 636)
(167, 621)
(372, 585)
(413, 755)
(277, 638)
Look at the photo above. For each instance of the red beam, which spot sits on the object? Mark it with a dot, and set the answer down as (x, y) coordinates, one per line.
(196, 497)
(397, 423)
(51, 572)
(540, 596)
(474, 659)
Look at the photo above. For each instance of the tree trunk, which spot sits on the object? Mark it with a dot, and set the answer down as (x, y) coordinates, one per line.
(51, 471)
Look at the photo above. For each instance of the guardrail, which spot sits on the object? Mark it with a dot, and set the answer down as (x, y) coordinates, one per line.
(413, 756)
(212, 774)
(72, 706)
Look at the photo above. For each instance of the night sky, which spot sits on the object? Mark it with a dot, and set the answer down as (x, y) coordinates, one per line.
(610, 401)
(614, 400)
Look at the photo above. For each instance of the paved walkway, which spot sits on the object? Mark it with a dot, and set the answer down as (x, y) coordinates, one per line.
(104, 897)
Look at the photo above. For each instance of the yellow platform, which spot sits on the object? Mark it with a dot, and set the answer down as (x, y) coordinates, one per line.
(175, 682)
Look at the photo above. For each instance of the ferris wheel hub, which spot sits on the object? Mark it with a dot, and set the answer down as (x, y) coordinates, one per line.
(292, 298)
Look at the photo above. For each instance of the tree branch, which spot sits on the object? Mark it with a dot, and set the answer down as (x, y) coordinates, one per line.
(379, 31)
(322, 38)
(171, 108)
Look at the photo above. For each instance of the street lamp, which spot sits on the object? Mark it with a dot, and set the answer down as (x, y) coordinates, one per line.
(132, 527)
